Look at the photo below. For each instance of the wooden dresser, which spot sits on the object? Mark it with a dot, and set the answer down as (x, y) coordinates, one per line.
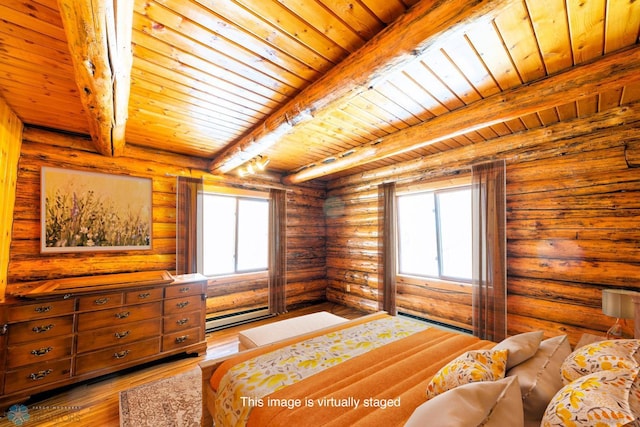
(58, 332)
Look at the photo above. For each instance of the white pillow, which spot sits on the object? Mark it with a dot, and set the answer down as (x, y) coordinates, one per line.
(521, 347)
(487, 403)
(539, 377)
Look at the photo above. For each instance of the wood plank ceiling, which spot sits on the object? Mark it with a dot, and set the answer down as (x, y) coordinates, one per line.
(325, 88)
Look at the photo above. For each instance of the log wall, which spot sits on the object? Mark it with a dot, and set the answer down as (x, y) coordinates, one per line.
(306, 272)
(572, 199)
(306, 261)
(10, 142)
(573, 215)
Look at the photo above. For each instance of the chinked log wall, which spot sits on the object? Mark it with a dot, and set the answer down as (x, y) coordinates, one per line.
(573, 221)
(306, 259)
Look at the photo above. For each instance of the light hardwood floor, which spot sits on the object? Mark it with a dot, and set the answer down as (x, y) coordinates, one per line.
(96, 402)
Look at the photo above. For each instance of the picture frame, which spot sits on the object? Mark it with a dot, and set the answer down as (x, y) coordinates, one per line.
(83, 211)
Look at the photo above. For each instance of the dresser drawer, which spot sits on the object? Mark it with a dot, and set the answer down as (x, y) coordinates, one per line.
(114, 356)
(180, 321)
(110, 336)
(41, 309)
(143, 295)
(40, 329)
(182, 305)
(39, 351)
(118, 316)
(37, 375)
(99, 302)
(184, 290)
(181, 339)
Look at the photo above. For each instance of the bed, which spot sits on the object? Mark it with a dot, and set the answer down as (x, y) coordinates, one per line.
(388, 371)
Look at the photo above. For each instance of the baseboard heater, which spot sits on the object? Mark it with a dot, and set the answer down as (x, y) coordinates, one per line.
(214, 323)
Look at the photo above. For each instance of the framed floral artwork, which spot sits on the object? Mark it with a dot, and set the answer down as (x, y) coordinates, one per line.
(88, 211)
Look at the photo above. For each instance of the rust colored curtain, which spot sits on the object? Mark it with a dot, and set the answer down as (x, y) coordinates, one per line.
(277, 251)
(187, 224)
(389, 232)
(489, 250)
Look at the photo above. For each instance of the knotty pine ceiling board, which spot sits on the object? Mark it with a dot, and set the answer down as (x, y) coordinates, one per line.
(35, 66)
(524, 54)
(206, 73)
(246, 60)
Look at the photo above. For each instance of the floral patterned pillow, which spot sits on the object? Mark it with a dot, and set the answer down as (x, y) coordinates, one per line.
(598, 399)
(600, 356)
(472, 366)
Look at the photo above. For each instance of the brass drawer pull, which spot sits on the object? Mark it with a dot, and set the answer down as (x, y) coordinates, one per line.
(123, 314)
(43, 309)
(145, 295)
(42, 351)
(121, 354)
(182, 304)
(182, 339)
(182, 321)
(121, 335)
(185, 289)
(41, 329)
(101, 301)
(40, 375)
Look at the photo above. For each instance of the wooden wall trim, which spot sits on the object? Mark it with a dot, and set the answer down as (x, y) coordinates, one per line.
(10, 143)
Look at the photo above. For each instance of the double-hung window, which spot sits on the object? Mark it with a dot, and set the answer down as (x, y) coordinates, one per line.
(434, 234)
(235, 234)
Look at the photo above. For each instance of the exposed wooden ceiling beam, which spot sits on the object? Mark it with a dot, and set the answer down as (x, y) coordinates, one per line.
(410, 35)
(610, 72)
(99, 38)
(622, 119)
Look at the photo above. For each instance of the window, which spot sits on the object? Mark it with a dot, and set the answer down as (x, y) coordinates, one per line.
(235, 234)
(434, 234)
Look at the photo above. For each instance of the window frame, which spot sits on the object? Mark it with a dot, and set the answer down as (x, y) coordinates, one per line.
(434, 190)
(237, 195)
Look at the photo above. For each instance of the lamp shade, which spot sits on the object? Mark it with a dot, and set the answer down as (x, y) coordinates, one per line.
(618, 303)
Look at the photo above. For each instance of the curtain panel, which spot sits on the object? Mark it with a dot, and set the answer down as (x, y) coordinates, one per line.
(277, 251)
(389, 252)
(489, 250)
(187, 190)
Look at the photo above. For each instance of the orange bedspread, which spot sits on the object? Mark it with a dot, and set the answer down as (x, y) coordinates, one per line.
(381, 387)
